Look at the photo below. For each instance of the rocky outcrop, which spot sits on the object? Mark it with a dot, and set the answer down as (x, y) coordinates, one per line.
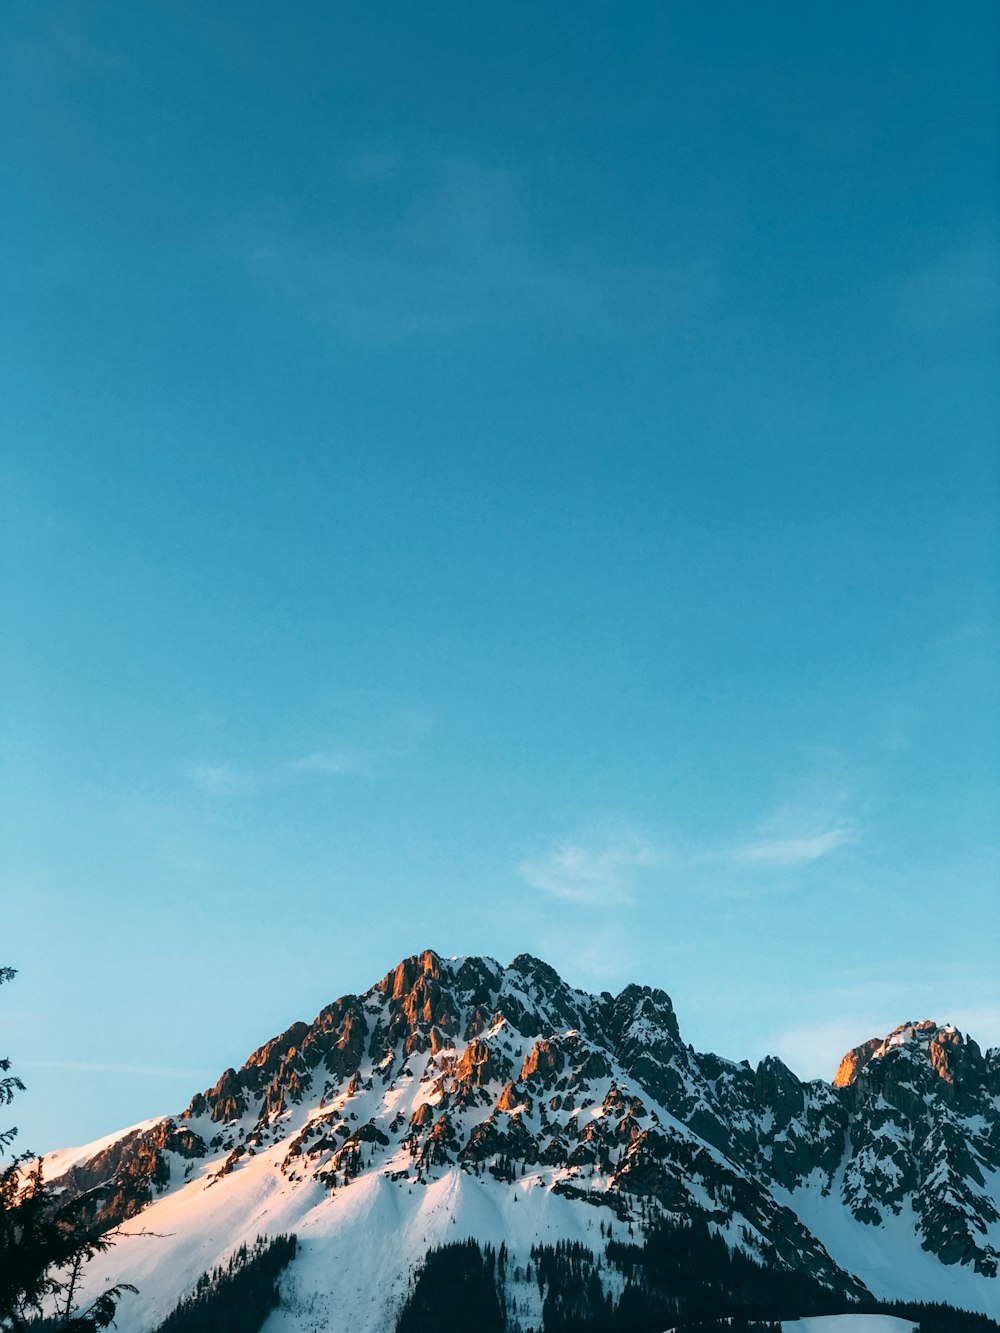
(122, 1179)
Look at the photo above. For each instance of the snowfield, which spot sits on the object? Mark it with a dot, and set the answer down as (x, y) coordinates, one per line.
(357, 1247)
(889, 1258)
(848, 1323)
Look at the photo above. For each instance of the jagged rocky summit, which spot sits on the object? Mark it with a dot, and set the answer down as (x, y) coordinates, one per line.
(461, 1098)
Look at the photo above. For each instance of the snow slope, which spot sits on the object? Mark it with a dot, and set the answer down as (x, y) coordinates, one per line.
(358, 1247)
(888, 1257)
(848, 1323)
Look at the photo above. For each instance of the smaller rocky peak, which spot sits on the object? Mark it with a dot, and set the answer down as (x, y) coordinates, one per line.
(991, 1062)
(943, 1050)
(398, 983)
(269, 1058)
(534, 999)
(777, 1089)
(915, 1067)
(718, 1069)
(227, 1100)
(478, 980)
(419, 996)
(638, 1007)
(533, 969)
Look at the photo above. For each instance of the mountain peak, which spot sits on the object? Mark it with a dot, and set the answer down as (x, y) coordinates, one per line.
(941, 1048)
(535, 968)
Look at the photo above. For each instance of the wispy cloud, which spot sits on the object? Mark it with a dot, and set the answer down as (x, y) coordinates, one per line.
(218, 779)
(228, 779)
(450, 244)
(817, 818)
(784, 853)
(600, 873)
(327, 751)
(606, 868)
(344, 762)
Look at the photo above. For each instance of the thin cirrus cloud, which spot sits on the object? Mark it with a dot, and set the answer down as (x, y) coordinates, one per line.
(225, 779)
(391, 299)
(343, 762)
(608, 871)
(785, 853)
(601, 874)
(218, 779)
(451, 246)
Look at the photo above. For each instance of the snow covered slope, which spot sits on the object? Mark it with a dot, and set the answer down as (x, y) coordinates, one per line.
(848, 1323)
(459, 1098)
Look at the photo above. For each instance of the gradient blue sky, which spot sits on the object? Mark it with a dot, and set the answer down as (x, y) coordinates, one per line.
(494, 478)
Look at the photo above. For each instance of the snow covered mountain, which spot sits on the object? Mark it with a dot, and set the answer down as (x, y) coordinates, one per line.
(458, 1098)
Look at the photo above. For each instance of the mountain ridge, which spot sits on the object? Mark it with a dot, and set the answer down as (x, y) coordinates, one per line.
(455, 1077)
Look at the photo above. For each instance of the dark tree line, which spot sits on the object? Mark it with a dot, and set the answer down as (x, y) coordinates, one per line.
(569, 1283)
(455, 1290)
(683, 1276)
(238, 1296)
(686, 1272)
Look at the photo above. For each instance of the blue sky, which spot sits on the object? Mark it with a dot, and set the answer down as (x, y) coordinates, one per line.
(494, 479)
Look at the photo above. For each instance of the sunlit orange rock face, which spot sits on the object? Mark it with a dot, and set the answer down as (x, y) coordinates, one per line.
(544, 1055)
(854, 1061)
(510, 1098)
(422, 1116)
(942, 1045)
(477, 1064)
